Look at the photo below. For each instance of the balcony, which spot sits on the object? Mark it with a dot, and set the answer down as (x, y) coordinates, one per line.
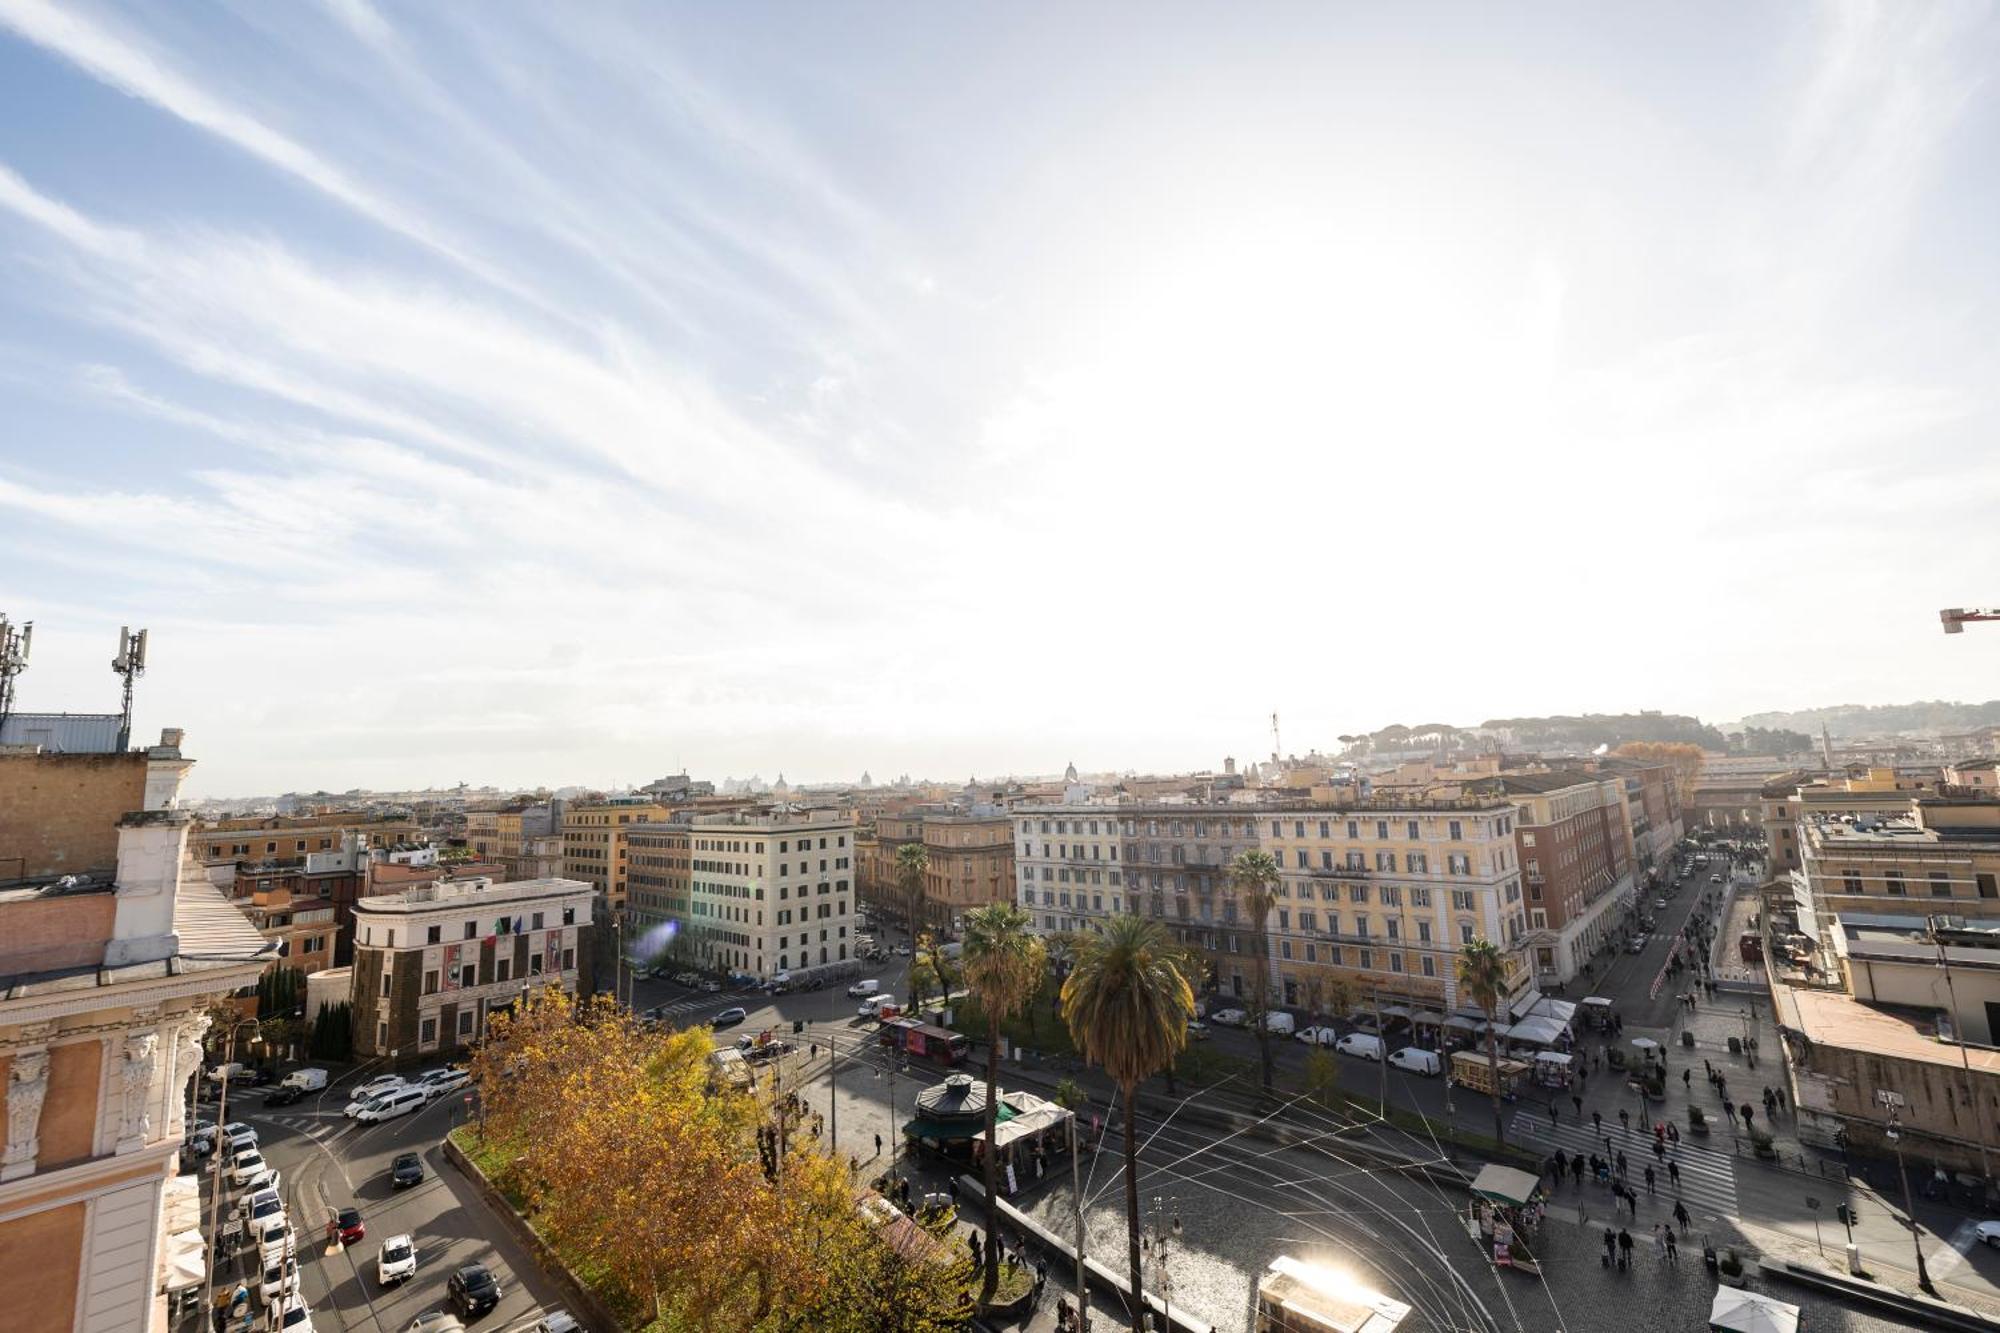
(1341, 872)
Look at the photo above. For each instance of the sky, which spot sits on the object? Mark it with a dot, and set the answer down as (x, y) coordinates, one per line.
(549, 394)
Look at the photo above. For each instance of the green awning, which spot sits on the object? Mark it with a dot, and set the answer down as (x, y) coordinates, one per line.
(953, 1131)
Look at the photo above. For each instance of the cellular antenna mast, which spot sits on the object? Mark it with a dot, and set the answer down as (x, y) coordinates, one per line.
(131, 664)
(14, 645)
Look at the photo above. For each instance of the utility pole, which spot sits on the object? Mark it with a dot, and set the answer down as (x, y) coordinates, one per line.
(1895, 1133)
(1076, 1197)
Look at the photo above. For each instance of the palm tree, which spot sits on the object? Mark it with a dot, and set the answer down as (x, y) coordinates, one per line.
(1254, 875)
(1003, 966)
(1127, 1007)
(912, 864)
(1482, 972)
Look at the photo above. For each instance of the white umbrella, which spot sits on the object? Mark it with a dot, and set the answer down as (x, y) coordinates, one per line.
(1645, 1044)
(1740, 1311)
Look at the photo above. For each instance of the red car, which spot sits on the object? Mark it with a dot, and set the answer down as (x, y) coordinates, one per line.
(349, 1226)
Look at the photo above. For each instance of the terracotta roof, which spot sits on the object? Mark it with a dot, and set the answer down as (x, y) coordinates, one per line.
(1833, 1019)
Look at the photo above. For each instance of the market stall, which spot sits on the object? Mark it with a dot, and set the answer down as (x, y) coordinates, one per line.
(1471, 1069)
(1738, 1311)
(1552, 1069)
(1506, 1210)
(1595, 1011)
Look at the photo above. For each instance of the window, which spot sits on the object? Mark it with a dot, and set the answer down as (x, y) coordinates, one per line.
(503, 969)
(386, 982)
(1385, 861)
(1465, 932)
(431, 982)
(1410, 830)
(1382, 833)
(1367, 959)
(1457, 831)
(569, 959)
(1895, 882)
(427, 1032)
(1940, 884)
(468, 976)
(434, 935)
(472, 930)
(464, 1022)
(1395, 962)
(1527, 840)
(1430, 966)
(1988, 888)
(1302, 858)
(1850, 881)
(1423, 932)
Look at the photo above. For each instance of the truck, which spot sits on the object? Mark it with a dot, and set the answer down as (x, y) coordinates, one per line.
(305, 1080)
(728, 1068)
(922, 1040)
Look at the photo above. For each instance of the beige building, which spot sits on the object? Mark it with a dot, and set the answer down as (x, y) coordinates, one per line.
(1937, 854)
(970, 854)
(287, 840)
(113, 943)
(1792, 800)
(526, 842)
(771, 892)
(594, 849)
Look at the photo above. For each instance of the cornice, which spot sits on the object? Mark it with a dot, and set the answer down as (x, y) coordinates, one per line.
(209, 981)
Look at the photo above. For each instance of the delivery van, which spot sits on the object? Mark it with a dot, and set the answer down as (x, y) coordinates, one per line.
(1417, 1060)
(305, 1080)
(1366, 1045)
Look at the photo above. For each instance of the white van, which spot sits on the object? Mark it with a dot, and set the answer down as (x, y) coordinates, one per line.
(1364, 1044)
(305, 1080)
(864, 988)
(1417, 1060)
(1279, 1022)
(389, 1105)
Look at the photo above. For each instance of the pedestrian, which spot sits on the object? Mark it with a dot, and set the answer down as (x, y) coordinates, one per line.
(1659, 1150)
(972, 1244)
(1062, 1315)
(1673, 1133)
(1728, 1109)
(1674, 1174)
(1681, 1214)
(1659, 1241)
(1673, 1249)
(951, 1187)
(1649, 1182)
(1687, 1079)
(1625, 1119)
(1597, 1121)
(1621, 1166)
(878, 1145)
(1553, 1117)
(1747, 1111)
(1610, 1246)
(1576, 1169)
(1577, 1102)
(1041, 1272)
(1583, 1081)
(1710, 1067)
(1624, 1247)
(1781, 1099)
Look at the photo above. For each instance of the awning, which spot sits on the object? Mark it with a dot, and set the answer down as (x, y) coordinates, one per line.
(1551, 1058)
(1427, 1019)
(1540, 1031)
(181, 1261)
(1459, 1021)
(1528, 1000)
(1505, 1184)
(1395, 1011)
(1562, 1011)
(180, 1205)
(1046, 1117)
(1740, 1311)
(1597, 1001)
(1501, 1031)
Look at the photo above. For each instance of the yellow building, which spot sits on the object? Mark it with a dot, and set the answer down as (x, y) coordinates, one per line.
(1938, 855)
(594, 848)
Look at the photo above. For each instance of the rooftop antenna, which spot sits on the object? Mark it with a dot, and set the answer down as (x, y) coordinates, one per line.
(131, 664)
(14, 645)
(1277, 750)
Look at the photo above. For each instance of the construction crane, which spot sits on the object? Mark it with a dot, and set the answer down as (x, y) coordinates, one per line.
(1955, 617)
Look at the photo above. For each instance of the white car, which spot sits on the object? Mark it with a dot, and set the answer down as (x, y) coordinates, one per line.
(398, 1260)
(294, 1316)
(1229, 1018)
(247, 1165)
(1317, 1036)
(276, 1240)
(440, 1081)
(281, 1279)
(266, 1181)
(250, 1205)
(902, 951)
(379, 1084)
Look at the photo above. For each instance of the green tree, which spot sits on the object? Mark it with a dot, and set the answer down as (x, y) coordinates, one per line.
(1254, 876)
(1127, 1007)
(1482, 972)
(1322, 1076)
(1003, 966)
(913, 863)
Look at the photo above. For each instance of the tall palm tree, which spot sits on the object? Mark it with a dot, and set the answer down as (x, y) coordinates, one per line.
(1004, 966)
(1127, 1007)
(1482, 973)
(912, 864)
(1254, 875)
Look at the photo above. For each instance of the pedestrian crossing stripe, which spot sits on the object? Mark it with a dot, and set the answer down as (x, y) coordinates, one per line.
(1708, 1177)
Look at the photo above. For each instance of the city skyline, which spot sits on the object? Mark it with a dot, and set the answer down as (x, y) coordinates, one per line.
(545, 390)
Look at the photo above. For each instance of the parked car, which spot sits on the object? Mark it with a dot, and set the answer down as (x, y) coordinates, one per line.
(438, 1082)
(277, 1239)
(233, 1071)
(1638, 944)
(1716, 878)
(902, 951)
(398, 1260)
(283, 1095)
(728, 1018)
(1364, 1045)
(1417, 1060)
(473, 1290)
(263, 1207)
(712, 987)
(407, 1169)
(1197, 1030)
(437, 1321)
(1659, 902)
(269, 1179)
(861, 988)
(347, 1224)
(557, 1321)
(1279, 1023)
(306, 1080)
(1317, 1036)
(379, 1084)
(294, 1316)
(1229, 1018)
(1987, 1233)
(245, 1167)
(201, 1142)
(281, 1279)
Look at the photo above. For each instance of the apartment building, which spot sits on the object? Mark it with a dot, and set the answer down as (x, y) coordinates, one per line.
(433, 962)
(301, 931)
(1652, 814)
(1790, 801)
(1940, 854)
(1375, 895)
(594, 848)
(1980, 775)
(1576, 858)
(771, 891)
(525, 841)
(287, 840)
(970, 854)
(112, 946)
(659, 875)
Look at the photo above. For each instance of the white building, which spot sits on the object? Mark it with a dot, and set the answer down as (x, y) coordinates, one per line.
(772, 891)
(1067, 868)
(432, 962)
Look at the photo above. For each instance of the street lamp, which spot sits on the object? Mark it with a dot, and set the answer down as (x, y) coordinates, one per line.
(1162, 1233)
(215, 1184)
(1895, 1133)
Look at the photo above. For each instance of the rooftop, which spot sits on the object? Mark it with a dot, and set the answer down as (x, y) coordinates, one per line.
(1838, 1020)
(212, 934)
(468, 893)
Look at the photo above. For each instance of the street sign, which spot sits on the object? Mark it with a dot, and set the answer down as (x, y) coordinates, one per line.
(1888, 1097)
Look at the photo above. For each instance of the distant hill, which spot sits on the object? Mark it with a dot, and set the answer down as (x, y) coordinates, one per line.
(1876, 719)
(1613, 729)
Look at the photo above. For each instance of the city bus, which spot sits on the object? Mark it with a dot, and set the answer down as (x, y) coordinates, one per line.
(924, 1041)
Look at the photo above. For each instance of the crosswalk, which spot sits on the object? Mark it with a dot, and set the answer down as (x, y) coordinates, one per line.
(1708, 1177)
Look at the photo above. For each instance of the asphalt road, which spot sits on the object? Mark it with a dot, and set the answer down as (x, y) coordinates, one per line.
(330, 1162)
